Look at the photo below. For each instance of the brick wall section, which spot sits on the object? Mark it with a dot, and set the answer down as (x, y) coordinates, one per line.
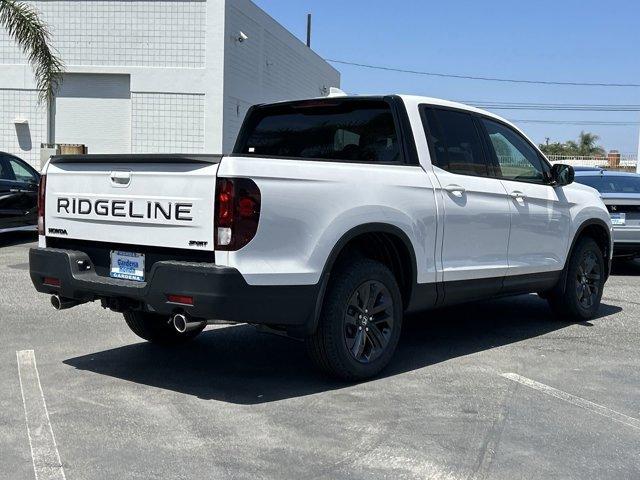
(152, 33)
(167, 123)
(22, 140)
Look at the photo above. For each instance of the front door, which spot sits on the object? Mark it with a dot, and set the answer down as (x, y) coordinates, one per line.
(476, 216)
(26, 183)
(540, 217)
(11, 211)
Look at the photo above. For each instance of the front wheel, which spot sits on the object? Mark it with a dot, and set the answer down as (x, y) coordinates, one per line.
(360, 322)
(584, 283)
(157, 328)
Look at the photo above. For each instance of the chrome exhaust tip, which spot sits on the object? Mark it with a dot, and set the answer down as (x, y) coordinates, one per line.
(183, 324)
(61, 303)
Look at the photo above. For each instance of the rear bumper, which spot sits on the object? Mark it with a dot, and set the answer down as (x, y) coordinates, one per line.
(219, 293)
(626, 249)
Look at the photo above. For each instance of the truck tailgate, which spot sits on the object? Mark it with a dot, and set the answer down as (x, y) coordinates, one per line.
(124, 201)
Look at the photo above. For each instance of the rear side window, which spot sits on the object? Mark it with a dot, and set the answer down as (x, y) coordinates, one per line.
(455, 142)
(350, 130)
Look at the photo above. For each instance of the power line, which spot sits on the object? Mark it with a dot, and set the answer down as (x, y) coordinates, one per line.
(486, 79)
(577, 122)
(554, 107)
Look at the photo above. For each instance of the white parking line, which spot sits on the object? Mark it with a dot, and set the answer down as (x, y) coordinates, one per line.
(44, 451)
(577, 401)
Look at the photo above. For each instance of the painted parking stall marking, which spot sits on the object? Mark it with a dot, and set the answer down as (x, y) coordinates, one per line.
(577, 401)
(44, 451)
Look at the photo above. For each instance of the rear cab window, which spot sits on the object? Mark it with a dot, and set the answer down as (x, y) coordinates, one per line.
(350, 130)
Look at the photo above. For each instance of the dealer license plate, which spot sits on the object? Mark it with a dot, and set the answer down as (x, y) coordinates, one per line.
(127, 265)
(619, 219)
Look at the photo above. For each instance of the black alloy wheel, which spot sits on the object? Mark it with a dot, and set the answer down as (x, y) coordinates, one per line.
(588, 280)
(368, 321)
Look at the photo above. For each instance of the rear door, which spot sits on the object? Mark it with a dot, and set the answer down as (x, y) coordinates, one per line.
(476, 208)
(132, 200)
(540, 217)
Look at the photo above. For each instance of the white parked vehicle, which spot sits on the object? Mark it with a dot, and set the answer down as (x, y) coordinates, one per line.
(620, 192)
(332, 219)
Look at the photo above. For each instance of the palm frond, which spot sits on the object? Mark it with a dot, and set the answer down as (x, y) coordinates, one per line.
(24, 25)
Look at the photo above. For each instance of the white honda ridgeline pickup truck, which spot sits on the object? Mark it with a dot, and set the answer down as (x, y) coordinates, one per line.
(331, 220)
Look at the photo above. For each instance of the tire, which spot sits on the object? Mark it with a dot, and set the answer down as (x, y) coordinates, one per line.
(157, 329)
(346, 346)
(579, 298)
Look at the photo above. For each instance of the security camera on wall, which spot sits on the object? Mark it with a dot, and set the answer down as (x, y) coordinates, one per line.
(242, 37)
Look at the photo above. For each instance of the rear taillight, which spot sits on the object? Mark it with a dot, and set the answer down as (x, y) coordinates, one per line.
(181, 299)
(51, 281)
(42, 188)
(237, 212)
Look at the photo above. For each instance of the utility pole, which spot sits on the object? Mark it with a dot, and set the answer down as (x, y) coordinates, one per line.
(309, 30)
(547, 139)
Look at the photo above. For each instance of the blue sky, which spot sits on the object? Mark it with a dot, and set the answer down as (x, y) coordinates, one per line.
(561, 40)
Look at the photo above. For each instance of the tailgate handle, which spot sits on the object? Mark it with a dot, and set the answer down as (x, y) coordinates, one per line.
(121, 178)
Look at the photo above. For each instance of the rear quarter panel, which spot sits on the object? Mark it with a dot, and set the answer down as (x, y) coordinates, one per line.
(307, 206)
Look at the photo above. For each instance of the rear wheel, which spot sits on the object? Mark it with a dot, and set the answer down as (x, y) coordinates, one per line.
(360, 322)
(157, 329)
(583, 285)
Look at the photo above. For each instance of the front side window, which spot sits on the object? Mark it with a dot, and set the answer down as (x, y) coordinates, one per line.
(517, 159)
(347, 130)
(455, 142)
(21, 172)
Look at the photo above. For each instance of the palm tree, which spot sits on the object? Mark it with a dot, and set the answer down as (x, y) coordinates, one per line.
(587, 145)
(32, 35)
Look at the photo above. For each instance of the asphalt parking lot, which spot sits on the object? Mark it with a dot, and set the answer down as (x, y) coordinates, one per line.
(493, 390)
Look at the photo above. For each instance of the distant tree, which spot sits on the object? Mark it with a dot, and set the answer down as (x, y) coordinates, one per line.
(32, 35)
(586, 146)
(555, 148)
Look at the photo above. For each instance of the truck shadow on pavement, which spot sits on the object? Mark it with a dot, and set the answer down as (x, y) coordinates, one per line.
(239, 365)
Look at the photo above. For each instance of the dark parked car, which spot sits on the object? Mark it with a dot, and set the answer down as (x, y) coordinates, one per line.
(620, 192)
(18, 194)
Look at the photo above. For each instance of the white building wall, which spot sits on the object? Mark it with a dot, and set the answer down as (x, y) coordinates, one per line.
(170, 49)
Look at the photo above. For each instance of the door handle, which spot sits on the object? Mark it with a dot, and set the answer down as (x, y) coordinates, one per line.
(455, 190)
(121, 178)
(518, 196)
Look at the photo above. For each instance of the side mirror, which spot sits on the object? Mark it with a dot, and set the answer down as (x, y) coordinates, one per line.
(562, 175)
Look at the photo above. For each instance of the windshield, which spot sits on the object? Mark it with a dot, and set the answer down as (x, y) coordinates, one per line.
(351, 130)
(611, 183)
